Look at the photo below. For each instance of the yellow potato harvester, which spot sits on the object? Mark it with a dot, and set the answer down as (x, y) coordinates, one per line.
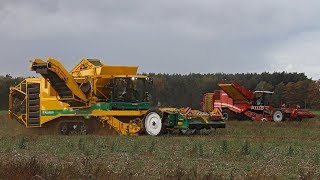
(95, 94)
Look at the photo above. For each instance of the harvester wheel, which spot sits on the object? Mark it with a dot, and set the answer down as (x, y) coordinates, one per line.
(187, 131)
(264, 120)
(63, 128)
(299, 119)
(82, 129)
(152, 123)
(227, 114)
(278, 116)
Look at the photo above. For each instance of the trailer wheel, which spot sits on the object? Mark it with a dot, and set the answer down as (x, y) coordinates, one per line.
(278, 116)
(153, 123)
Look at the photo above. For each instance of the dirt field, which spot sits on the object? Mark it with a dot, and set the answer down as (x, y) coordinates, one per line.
(244, 150)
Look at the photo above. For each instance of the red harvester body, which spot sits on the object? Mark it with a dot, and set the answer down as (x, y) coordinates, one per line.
(237, 102)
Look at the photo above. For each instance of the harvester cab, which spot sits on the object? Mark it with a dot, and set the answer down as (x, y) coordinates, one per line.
(129, 89)
(262, 98)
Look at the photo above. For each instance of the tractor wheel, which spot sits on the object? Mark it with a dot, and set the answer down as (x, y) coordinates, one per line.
(278, 116)
(187, 131)
(152, 123)
(227, 114)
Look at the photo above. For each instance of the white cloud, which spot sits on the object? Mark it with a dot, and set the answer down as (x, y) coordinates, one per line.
(161, 36)
(27, 21)
(300, 53)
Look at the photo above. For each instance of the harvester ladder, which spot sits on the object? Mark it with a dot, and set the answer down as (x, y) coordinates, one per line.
(33, 104)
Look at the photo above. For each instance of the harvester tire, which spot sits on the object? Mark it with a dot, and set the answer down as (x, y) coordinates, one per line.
(277, 115)
(63, 128)
(152, 123)
(299, 119)
(227, 114)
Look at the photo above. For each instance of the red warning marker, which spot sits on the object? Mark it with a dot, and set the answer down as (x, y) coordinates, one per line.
(187, 110)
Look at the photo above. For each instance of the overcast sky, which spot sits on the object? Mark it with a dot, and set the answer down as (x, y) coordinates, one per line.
(167, 36)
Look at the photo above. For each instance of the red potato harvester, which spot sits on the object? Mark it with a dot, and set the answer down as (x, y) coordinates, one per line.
(237, 102)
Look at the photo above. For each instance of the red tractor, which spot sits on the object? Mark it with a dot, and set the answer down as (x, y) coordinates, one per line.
(237, 102)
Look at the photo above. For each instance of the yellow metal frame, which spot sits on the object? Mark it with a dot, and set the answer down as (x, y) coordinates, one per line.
(18, 88)
(84, 72)
(120, 127)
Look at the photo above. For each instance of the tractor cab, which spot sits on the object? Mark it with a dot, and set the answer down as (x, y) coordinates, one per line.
(262, 98)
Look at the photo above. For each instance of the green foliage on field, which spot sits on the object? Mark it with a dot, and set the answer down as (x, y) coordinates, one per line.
(316, 112)
(5, 83)
(255, 150)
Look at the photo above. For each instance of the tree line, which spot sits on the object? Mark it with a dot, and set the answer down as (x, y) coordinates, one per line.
(178, 90)
(5, 83)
